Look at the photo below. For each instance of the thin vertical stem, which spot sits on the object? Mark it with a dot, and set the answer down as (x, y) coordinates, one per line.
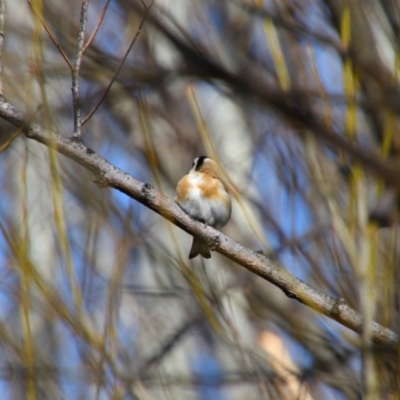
(76, 100)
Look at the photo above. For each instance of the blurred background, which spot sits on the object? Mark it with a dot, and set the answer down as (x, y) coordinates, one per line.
(299, 103)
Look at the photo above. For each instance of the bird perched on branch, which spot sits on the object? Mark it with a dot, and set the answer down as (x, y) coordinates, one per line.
(202, 195)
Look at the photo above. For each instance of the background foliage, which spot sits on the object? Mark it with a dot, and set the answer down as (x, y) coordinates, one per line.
(299, 103)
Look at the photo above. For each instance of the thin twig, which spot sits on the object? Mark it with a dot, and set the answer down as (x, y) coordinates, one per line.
(120, 66)
(2, 17)
(53, 39)
(93, 35)
(76, 100)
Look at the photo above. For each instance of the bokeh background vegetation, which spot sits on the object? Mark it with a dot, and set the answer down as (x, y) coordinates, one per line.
(97, 296)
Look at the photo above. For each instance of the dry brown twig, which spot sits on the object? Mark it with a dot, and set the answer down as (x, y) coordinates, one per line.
(96, 29)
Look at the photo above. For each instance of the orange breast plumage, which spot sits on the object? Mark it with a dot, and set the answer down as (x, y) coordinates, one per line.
(204, 198)
(202, 195)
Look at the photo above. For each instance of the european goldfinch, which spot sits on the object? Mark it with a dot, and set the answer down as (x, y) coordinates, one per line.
(202, 195)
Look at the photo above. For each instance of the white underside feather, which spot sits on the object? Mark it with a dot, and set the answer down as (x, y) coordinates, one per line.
(213, 212)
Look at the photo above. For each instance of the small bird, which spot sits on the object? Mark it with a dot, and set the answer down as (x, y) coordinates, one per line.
(202, 195)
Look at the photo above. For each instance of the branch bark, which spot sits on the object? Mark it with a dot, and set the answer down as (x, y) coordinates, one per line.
(107, 175)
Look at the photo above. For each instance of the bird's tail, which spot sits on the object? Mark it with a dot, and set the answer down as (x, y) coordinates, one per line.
(199, 247)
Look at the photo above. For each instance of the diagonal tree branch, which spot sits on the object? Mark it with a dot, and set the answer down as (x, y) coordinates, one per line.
(107, 175)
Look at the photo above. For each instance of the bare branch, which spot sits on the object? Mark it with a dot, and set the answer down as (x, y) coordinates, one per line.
(108, 175)
(75, 71)
(120, 66)
(96, 29)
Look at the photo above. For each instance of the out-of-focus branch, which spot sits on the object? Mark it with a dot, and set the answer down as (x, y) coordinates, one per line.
(107, 175)
(167, 346)
(75, 71)
(52, 37)
(296, 28)
(292, 105)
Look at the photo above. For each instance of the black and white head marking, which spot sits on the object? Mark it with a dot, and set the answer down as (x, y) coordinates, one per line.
(198, 162)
